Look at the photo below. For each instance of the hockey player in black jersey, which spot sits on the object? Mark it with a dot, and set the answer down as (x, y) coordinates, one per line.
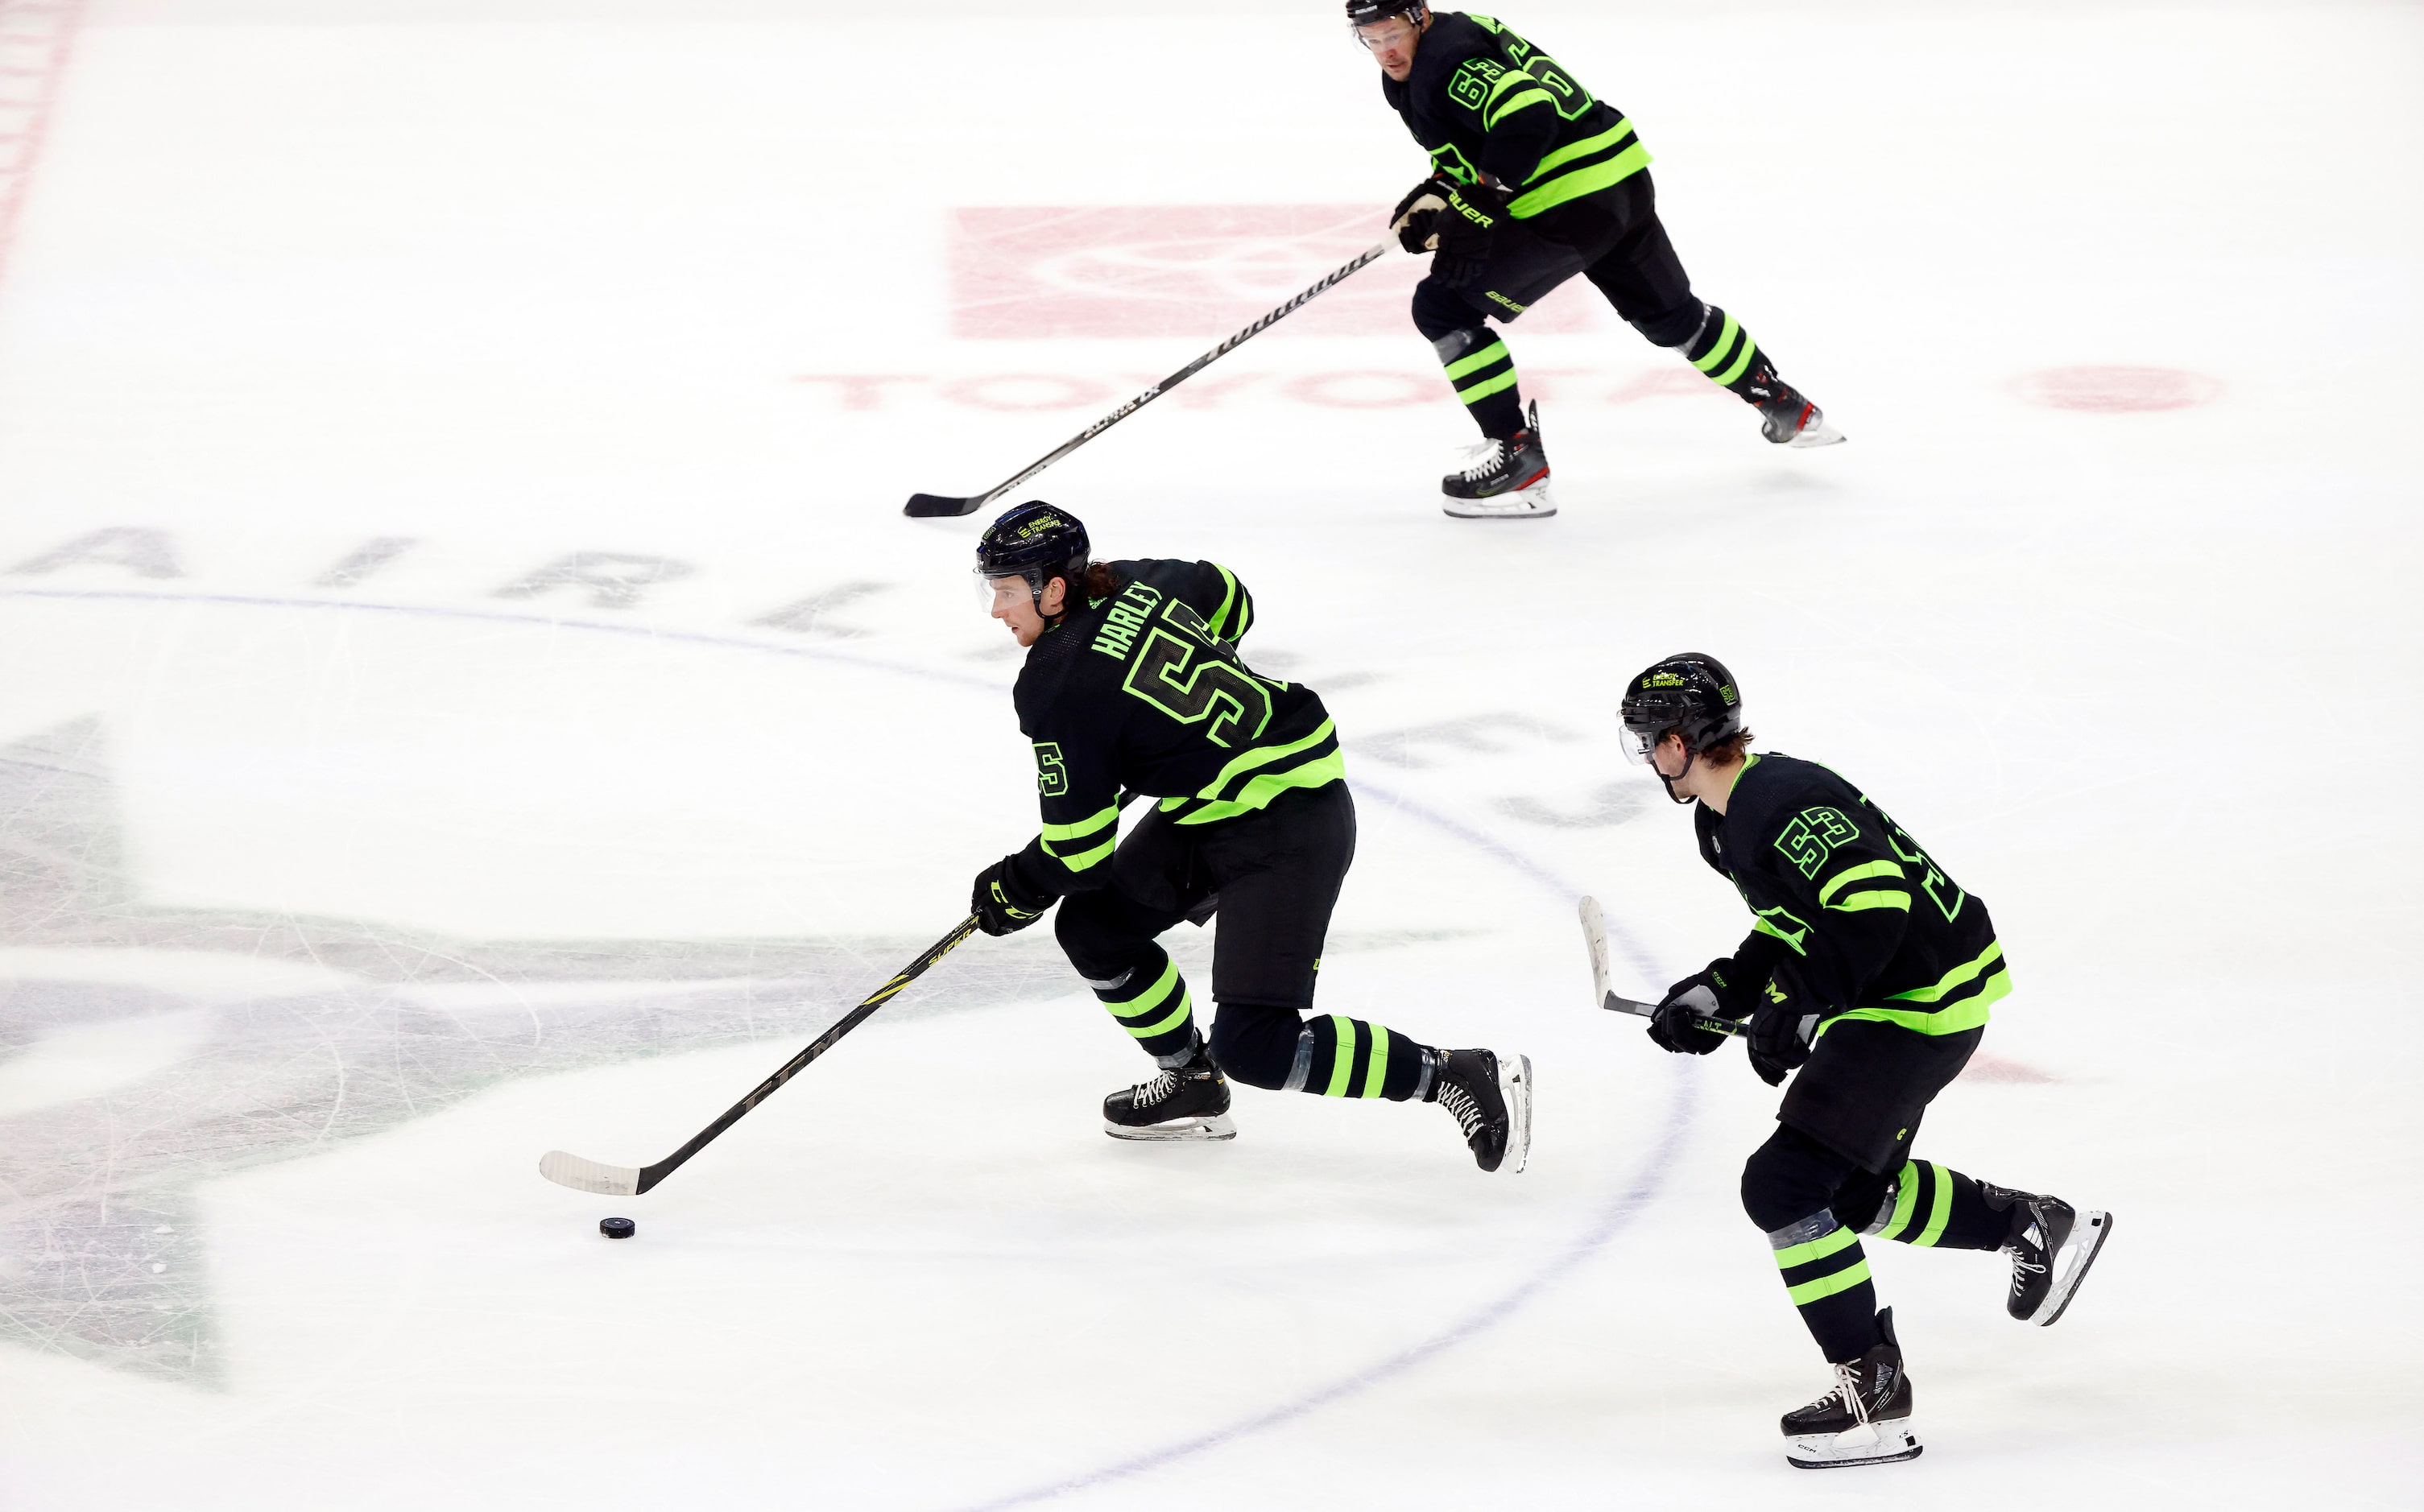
(1533, 181)
(1133, 686)
(1871, 971)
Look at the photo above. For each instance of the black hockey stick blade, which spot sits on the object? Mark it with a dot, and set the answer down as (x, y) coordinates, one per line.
(568, 1169)
(941, 506)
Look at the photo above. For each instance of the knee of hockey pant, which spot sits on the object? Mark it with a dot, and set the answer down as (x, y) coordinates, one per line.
(1675, 326)
(1441, 311)
(1091, 936)
(1864, 1200)
(1256, 1044)
(1788, 1178)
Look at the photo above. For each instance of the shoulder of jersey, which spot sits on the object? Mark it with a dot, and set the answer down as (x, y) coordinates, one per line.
(1453, 42)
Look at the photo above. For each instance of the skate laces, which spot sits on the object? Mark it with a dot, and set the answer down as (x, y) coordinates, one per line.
(1148, 1094)
(1847, 1386)
(1466, 1107)
(1482, 459)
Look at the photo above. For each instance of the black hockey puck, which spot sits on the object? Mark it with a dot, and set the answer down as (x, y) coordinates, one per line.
(617, 1228)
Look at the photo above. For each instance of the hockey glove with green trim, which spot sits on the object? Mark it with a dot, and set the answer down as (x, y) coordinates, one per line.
(1783, 1028)
(1003, 904)
(1701, 994)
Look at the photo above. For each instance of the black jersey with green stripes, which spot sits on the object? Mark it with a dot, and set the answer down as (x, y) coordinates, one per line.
(1870, 921)
(1482, 100)
(1144, 691)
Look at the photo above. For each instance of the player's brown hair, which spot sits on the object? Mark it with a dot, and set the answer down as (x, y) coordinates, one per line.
(1099, 582)
(1729, 750)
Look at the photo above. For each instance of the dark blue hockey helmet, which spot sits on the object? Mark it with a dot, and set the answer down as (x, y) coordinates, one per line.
(1691, 694)
(1036, 541)
(1365, 12)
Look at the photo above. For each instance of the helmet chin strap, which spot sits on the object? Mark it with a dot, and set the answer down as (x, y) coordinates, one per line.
(1689, 757)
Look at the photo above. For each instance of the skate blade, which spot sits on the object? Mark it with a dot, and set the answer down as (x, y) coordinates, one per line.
(1515, 1086)
(1870, 1443)
(1524, 504)
(2087, 1239)
(1177, 1131)
(1817, 433)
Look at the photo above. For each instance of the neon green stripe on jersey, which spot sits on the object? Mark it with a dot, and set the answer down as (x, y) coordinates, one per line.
(1859, 873)
(1585, 148)
(1581, 181)
(1082, 828)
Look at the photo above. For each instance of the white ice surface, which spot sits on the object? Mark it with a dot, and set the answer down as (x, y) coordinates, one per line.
(522, 281)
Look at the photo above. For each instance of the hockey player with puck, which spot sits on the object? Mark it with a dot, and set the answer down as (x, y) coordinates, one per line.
(1533, 181)
(1871, 971)
(1133, 685)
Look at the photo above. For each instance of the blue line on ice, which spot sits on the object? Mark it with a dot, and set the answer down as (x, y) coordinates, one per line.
(1638, 1191)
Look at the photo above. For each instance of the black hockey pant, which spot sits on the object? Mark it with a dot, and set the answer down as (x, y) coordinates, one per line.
(1273, 875)
(1635, 266)
(1839, 1167)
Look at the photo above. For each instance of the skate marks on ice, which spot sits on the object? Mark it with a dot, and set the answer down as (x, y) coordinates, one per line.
(146, 1049)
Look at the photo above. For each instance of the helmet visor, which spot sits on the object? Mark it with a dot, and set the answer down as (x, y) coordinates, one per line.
(993, 593)
(1638, 744)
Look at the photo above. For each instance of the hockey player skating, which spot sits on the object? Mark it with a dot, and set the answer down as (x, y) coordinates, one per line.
(1871, 971)
(1533, 181)
(1133, 683)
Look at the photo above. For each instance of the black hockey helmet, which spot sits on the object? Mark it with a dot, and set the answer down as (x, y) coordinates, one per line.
(1365, 12)
(1036, 541)
(1691, 694)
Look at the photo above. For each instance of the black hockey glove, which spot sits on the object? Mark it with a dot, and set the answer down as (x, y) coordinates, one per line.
(1783, 1028)
(1715, 992)
(1462, 234)
(1417, 214)
(1001, 903)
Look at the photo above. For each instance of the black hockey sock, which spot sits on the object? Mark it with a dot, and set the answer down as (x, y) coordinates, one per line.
(1724, 351)
(1151, 1003)
(1483, 372)
(1828, 1277)
(1935, 1206)
(1340, 1057)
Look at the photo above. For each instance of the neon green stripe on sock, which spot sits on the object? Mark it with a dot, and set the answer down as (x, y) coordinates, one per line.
(1842, 1280)
(1485, 388)
(1942, 1213)
(1378, 1076)
(1742, 363)
(1341, 1063)
(1476, 361)
(1726, 334)
(1905, 1201)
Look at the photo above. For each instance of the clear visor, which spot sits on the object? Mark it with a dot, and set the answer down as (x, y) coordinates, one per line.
(1638, 744)
(995, 594)
(1385, 32)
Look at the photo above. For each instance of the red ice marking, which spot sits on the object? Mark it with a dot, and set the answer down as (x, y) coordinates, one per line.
(1021, 272)
(1995, 1068)
(40, 36)
(2103, 387)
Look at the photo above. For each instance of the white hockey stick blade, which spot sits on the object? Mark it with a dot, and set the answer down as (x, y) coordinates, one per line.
(1595, 936)
(589, 1176)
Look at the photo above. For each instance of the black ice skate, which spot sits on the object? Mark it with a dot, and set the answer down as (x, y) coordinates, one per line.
(1504, 480)
(1493, 1103)
(1190, 1102)
(2052, 1247)
(1786, 416)
(1865, 1420)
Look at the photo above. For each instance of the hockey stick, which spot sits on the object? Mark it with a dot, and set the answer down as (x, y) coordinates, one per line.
(921, 507)
(1595, 936)
(622, 1180)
